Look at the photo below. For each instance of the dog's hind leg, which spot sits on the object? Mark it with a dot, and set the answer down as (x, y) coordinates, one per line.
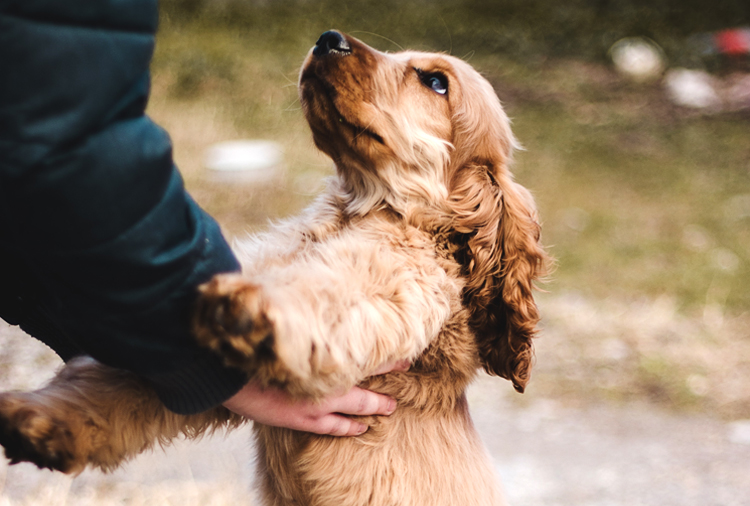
(91, 414)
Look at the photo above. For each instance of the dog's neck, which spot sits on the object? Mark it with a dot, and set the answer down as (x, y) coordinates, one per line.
(408, 193)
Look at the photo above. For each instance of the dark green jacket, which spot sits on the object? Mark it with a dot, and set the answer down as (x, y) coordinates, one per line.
(101, 248)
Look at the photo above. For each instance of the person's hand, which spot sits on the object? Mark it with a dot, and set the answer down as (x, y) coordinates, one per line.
(273, 406)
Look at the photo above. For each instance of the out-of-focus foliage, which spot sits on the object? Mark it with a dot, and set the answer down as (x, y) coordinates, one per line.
(522, 29)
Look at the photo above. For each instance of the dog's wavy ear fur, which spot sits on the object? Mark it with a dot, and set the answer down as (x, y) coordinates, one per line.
(499, 245)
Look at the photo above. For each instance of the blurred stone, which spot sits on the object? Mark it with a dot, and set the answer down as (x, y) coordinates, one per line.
(614, 349)
(252, 161)
(739, 432)
(698, 384)
(638, 59)
(692, 88)
(576, 219)
(725, 259)
(696, 238)
(738, 207)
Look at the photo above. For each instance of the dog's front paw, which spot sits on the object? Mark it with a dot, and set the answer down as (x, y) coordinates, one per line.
(30, 434)
(231, 319)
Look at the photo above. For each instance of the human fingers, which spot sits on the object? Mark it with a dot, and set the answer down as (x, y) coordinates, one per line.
(395, 365)
(275, 407)
(334, 424)
(361, 402)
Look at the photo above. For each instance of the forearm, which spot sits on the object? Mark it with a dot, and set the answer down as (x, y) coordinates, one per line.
(107, 246)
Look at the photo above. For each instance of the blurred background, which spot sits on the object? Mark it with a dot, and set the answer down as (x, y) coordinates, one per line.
(635, 119)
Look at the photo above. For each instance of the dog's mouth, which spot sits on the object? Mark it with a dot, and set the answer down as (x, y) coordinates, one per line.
(360, 131)
(327, 111)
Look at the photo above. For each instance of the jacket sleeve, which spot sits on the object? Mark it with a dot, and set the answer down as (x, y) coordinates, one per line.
(91, 204)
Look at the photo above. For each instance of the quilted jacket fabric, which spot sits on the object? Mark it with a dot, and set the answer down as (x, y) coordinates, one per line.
(101, 248)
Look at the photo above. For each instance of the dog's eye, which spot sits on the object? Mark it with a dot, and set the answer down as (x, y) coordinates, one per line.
(436, 82)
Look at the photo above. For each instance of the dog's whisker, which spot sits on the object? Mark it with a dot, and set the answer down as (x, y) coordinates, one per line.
(291, 82)
(382, 37)
(291, 107)
(450, 37)
(468, 56)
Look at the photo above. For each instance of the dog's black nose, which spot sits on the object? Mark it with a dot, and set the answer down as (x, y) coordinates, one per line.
(331, 42)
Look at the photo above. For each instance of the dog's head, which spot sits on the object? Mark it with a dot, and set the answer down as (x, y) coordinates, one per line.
(419, 129)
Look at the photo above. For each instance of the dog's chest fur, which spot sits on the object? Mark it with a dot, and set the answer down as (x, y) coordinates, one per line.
(431, 397)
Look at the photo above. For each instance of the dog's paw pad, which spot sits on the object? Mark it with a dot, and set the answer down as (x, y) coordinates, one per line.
(231, 319)
(30, 435)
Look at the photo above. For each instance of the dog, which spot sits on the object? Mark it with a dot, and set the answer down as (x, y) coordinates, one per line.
(421, 248)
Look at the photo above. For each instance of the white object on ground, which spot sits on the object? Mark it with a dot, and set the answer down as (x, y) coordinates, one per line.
(692, 88)
(254, 161)
(739, 432)
(638, 58)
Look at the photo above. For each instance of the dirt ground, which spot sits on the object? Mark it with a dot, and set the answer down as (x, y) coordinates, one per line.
(548, 451)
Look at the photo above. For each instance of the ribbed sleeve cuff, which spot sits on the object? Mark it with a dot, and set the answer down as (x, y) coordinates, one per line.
(199, 386)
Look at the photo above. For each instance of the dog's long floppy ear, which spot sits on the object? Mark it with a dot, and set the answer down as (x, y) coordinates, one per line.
(499, 238)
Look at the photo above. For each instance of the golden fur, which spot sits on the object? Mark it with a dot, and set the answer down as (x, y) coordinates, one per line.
(421, 248)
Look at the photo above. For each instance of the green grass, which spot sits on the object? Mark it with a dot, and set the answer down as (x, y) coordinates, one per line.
(641, 203)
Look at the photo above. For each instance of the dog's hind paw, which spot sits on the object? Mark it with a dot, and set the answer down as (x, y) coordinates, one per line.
(29, 434)
(231, 319)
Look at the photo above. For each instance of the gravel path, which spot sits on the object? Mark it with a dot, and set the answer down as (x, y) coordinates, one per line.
(551, 455)
(546, 454)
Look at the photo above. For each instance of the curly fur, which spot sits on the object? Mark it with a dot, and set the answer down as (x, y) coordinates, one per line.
(421, 248)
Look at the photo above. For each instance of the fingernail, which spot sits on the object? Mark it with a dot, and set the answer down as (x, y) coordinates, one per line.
(361, 429)
(391, 406)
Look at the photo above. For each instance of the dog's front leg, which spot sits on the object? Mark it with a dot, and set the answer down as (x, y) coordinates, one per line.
(321, 324)
(91, 414)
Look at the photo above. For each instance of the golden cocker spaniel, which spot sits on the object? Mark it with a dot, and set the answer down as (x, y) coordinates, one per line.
(422, 248)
